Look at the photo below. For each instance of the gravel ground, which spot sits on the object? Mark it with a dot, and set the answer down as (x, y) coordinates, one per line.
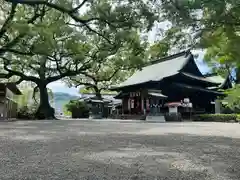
(69, 149)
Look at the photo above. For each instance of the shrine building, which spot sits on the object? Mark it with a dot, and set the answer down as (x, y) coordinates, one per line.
(172, 79)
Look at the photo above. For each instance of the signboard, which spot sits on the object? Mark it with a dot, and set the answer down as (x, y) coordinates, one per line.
(173, 109)
(186, 100)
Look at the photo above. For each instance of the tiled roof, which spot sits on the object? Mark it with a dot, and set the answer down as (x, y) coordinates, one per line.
(158, 70)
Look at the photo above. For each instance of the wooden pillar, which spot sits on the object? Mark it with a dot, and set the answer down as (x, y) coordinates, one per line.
(147, 104)
(129, 105)
(217, 106)
(5, 112)
(10, 109)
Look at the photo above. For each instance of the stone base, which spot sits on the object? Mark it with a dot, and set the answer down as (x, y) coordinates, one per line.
(155, 119)
(97, 116)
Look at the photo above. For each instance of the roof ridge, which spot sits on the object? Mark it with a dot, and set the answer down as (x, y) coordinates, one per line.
(167, 58)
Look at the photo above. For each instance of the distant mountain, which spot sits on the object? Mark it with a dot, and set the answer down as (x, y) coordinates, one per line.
(60, 99)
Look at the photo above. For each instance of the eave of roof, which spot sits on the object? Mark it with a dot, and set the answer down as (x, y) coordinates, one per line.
(216, 78)
(222, 81)
(203, 79)
(199, 89)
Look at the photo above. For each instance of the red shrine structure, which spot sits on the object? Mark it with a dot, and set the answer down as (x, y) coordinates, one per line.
(170, 80)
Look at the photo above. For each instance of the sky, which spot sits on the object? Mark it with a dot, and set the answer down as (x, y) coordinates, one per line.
(59, 86)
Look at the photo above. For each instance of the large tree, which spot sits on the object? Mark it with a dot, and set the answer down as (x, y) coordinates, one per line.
(111, 66)
(43, 41)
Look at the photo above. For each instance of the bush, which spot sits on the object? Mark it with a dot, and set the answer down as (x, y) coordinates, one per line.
(26, 113)
(238, 117)
(79, 109)
(227, 110)
(215, 117)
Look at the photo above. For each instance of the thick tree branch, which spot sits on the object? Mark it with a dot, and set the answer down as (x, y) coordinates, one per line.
(19, 81)
(68, 73)
(113, 74)
(17, 73)
(6, 76)
(11, 44)
(96, 80)
(21, 75)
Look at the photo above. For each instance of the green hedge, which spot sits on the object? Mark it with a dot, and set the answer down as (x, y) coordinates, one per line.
(216, 117)
(238, 117)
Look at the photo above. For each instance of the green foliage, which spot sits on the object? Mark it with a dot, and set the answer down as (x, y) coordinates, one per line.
(111, 65)
(45, 41)
(74, 104)
(23, 100)
(238, 117)
(66, 112)
(215, 117)
(158, 50)
(213, 25)
(26, 112)
(233, 98)
(79, 109)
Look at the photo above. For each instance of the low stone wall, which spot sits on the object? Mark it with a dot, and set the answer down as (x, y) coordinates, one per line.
(156, 118)
(129, 116)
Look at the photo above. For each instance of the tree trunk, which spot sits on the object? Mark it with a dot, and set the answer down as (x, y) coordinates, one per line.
(45, 111)
(101, 105)
(238, 75)
(98, 93)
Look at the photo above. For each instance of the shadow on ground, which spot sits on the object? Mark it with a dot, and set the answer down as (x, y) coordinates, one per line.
(98, 151)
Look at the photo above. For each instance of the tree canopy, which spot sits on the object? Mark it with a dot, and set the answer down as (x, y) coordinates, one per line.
(44, 41)
(111, 65)
(211, 25)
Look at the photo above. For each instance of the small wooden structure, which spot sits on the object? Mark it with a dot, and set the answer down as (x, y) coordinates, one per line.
(100, 108)
(8, 106)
